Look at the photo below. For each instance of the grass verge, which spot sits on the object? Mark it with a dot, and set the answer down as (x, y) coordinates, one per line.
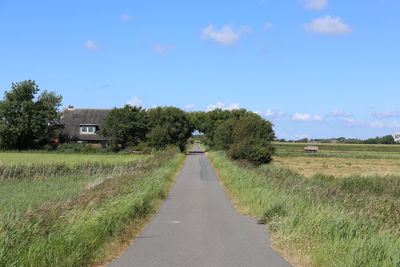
(320, 221)
(75, 232)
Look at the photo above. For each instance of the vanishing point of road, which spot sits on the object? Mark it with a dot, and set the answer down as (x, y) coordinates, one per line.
(198, 226)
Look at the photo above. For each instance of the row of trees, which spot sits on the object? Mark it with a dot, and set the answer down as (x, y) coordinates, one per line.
(158, 127)
(30, 120)
(243, 134)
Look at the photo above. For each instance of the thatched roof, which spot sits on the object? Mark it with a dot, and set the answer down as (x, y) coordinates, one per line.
(74, 118)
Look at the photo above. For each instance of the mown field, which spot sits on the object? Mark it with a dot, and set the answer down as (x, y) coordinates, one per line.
(339, 150)
(65, 209)
(341, 210)
(339, 160)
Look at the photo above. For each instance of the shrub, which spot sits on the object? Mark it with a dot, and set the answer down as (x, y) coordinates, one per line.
(79, 148)
(141, 148)
(256, 151)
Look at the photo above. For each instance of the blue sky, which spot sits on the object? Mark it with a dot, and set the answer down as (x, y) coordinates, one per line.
(315, 68)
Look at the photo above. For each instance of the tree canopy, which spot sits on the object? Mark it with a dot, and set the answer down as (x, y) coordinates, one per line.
(208, 122)
(169, 126)
(28, 121)
(126, 126)
(248, 138)
(158, 127)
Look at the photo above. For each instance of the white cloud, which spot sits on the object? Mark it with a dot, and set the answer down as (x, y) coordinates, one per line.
(394, 125)
(221, 105)
(226, 35)
(135, 102)
(232, 106)
(306, 117)
(386, 114)
(268, 26)
(315, 4)
(126, 17)
(340, 113)
(274, 114)
(91, 45)
(190, 106)
(163, 49)
(377, 125)
(327, 25)
(348, 120)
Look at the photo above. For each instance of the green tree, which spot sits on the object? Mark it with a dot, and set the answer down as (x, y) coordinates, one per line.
(208, 122)
(224, 136)
(255, 150)
(235, 130)
(387, 139)
(28, 121)
(248, 138)
(253, 127)
(168, 126)
(125, 126)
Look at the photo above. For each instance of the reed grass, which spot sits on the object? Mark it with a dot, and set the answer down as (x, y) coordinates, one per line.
(43, 170)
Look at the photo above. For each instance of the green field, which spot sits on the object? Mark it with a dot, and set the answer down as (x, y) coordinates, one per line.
(324, 210)
(63, 209)
(43, 157)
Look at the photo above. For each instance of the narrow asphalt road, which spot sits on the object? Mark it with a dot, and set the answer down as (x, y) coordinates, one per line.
(198, 226)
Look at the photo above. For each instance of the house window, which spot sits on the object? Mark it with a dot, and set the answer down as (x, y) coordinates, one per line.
(88, 129)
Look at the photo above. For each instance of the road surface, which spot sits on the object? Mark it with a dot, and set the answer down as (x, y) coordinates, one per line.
(198, 226)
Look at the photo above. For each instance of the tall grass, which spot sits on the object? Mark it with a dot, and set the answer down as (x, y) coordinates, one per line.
(36, 157)
(322, 221)
(42, 170)
(17, 197)
(71, 233)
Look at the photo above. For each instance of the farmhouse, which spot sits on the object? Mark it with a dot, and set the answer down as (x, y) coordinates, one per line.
(397, 137)
(82, 125)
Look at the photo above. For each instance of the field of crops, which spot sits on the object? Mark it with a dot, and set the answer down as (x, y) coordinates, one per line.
(62, 209)
(339, 160)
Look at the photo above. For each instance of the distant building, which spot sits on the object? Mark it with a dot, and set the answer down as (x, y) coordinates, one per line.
(82, 125)
(397, 137)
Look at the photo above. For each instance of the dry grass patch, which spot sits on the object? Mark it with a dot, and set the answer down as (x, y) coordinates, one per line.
(339, 167)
